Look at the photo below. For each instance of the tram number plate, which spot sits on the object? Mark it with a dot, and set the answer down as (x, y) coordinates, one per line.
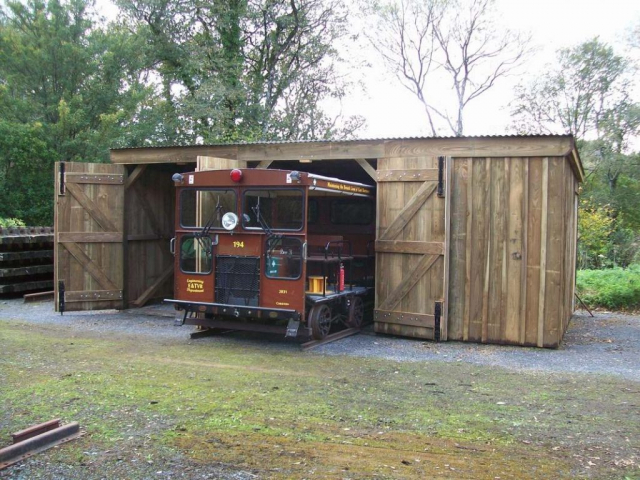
(292, 328)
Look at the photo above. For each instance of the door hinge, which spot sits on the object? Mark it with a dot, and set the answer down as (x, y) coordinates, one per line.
(441, 176)
(436, 326)
(61, 179)
(61, 296)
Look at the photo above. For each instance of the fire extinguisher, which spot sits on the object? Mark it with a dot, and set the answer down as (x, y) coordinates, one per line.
(341, 284)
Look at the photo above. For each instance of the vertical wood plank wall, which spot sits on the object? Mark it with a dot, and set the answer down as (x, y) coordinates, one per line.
(512, 250)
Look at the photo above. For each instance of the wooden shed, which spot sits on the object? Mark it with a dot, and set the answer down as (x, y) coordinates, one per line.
(476, 236)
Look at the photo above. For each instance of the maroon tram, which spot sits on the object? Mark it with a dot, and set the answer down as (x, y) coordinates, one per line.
(272, 251)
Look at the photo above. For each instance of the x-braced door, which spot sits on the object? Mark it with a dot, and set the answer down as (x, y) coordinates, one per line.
(411, 247)
(89, 210)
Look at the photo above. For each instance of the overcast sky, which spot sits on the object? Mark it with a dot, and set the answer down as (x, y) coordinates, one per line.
(392, 111)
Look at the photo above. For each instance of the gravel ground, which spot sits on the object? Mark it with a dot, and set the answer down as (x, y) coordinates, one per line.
(608, 344)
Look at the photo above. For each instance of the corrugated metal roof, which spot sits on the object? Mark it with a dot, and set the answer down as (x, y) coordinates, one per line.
(385, 139)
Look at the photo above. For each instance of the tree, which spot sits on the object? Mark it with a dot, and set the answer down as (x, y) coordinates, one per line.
(66, 86)
(428, 42)
(575, 95)
(244, 69)
(589, 94)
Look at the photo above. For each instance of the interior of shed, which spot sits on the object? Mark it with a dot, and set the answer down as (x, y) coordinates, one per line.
(149, 221)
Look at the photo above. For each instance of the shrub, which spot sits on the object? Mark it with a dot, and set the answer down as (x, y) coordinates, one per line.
(11, 222)
(613, 288)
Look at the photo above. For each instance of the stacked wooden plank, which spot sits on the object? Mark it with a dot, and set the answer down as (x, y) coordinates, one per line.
(26, 259)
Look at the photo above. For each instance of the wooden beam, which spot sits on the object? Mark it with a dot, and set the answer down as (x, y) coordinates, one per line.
(412, 175)
(487, 270)
(405, 246)
(543, 250)
(92, 295)
(405, 318)
(93, 178)
(90, 237)
(553, 145)
(366, 166)
(264, 164)
(525, 254)
(92, 209)
(444, 327)
(135, 175)
(148, 293)
(421, 268)
(90, 266)
(468, 244)
(409, 210)
(464, 147)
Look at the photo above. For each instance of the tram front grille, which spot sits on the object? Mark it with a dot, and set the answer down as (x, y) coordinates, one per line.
(238, 280)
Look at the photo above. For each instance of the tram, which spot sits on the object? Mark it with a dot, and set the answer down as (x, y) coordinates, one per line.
(275, 251)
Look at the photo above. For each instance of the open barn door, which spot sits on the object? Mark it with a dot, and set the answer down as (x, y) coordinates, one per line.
(88, 250)
(412, 247)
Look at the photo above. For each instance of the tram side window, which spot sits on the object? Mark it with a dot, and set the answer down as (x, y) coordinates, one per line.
(201, 207)
(351, 212)
(313, 212)
(283, 258)
(195, 254)
(280, 209)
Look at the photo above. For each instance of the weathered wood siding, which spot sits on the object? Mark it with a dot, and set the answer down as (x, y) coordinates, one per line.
(512, 250)
(410, 253)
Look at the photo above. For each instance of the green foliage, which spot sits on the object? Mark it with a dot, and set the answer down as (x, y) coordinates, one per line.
(605, 238)
(11, 222)
(67, 86)
(614, 288)
(594, 231)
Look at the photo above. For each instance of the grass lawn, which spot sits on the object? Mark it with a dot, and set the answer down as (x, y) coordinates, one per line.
(149, 405)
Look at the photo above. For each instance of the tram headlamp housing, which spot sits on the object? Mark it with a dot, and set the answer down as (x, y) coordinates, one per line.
(229, 221)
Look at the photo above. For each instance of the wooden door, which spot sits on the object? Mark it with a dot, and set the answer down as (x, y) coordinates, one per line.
(88, 250)
(411, 247)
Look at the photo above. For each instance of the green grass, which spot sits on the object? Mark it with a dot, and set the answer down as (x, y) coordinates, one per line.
(614, 288)
(240, 404)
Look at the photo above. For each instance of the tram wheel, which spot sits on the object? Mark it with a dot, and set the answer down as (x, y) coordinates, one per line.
(320, 321)
(356, 313)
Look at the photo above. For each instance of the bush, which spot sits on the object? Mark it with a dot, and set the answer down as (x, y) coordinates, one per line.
(613, 288)
(11, 222)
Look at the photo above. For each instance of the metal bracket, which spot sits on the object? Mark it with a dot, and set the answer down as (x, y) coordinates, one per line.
(292, 328)
(61, 297)
(441, 176)
(62, 186)
(436, 326)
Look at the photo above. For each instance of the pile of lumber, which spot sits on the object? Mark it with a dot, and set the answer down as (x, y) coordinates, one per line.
(26, 259)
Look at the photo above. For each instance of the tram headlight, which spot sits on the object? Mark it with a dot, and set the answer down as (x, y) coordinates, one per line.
(229, 221)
